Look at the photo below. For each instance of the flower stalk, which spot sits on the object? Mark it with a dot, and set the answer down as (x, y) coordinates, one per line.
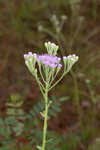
(49, 66)
(45, 120)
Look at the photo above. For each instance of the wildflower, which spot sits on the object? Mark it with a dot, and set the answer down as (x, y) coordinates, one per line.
(69, 61)
(28, 56)
(30, 61)
(48, 76)
(51, 48)
(49, 60)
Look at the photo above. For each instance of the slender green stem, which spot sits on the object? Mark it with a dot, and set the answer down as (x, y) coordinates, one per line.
(41, 73)
(42, 89)
(45, 120)
(59, 80)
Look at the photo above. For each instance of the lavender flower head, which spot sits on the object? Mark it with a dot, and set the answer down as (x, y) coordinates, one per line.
(49, 60)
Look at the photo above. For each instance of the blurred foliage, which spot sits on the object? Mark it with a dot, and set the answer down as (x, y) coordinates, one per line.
(18, 123)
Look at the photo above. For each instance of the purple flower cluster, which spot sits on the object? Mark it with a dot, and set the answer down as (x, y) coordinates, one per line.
(49, 60)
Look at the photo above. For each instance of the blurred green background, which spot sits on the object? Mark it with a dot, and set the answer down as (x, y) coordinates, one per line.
(74, 25)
